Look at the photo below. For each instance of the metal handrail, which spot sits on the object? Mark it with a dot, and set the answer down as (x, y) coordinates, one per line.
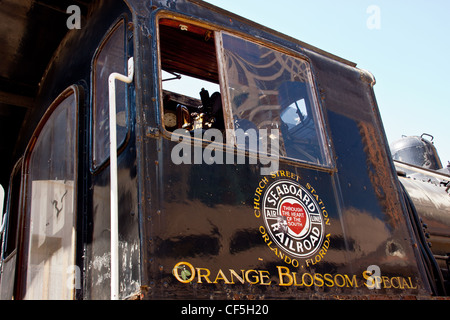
(113, 172)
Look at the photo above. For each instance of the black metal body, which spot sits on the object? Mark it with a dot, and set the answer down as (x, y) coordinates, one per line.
(204, 218)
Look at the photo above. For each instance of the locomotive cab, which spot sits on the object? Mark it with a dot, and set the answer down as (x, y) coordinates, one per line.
(174, 150)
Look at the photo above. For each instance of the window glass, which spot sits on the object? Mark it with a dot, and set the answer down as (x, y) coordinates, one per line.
(111, 58)
(51, 206)
(271, 90)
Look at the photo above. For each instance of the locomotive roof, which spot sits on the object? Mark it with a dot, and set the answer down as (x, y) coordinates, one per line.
(30, 33)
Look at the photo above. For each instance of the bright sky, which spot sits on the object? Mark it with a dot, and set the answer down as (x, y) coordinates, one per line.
(405, 44)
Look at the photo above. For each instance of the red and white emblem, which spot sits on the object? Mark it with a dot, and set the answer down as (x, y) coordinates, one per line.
(293, 218)
(296, 216)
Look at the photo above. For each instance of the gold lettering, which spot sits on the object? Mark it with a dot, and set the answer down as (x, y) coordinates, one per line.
(294, 275)
(264, 274)
(284, 272)
(240, 278)
(398, 282)
(311, 279)
(185, 272)
(176, 273)
(410, 284)
(262, 230)
(206, 275)
(342, 284)
(370, 283)
(386, 282)
(264, 182)
(405, 284)
(255, 278)
(353, 283)
(329, 279)
(377, 281)
(221, 276)
(318, 280)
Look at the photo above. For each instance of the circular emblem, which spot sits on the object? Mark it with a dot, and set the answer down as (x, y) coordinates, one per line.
(292, 218)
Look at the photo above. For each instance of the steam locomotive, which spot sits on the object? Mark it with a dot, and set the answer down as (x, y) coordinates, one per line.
(174, 150)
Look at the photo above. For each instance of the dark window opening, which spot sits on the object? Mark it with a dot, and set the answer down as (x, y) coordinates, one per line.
(190, 78)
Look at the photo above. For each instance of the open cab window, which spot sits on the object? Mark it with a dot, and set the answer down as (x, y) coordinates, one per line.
(213, 79)
(190, 78)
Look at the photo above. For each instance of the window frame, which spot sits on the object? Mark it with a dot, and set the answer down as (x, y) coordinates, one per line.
(316, 107)
(190, 21)
(25, 233)
(95, 165)
(329, 164)
(13, 204)
(7, 251)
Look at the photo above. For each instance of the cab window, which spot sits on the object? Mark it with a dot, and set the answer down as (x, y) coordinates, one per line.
(213, 79)
(51, 170)
(268, 89)
(110, 58)
(190, 78)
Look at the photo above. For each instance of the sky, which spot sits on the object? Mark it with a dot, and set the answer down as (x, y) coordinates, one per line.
(405, 44)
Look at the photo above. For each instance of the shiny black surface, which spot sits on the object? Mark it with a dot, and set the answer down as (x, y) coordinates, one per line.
(195, 231)
(202, 217)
